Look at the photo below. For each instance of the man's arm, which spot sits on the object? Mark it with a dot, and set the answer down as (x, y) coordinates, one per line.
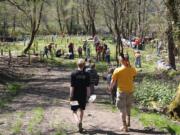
(112, 84)
(88, 85)
(71, 93)
(88, 92)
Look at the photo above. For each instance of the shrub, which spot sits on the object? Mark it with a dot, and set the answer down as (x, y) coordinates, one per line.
(174, 107)
(156, 91)
(13, 88)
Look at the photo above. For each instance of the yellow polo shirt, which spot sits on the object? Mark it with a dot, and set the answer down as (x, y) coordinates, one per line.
(124, 77)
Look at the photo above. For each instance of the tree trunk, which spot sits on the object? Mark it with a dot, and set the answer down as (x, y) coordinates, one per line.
(172, 15)
(14, 23)
(85, 24)
(171, 46)
(59, 16)
(119, 48)
(30, 42)
(34, 24)
(139, 18)
(93, 28)
(5, 32)
(71, 21)
(143, 18)
(91, 14)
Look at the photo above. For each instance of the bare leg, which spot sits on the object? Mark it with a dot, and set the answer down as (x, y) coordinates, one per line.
(128, 115)
(81, 116)
(123, 116)
(81, 119)
(128, 112)
(76, 117)
(128, 120)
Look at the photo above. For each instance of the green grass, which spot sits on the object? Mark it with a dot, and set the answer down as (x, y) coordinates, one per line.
(159, 121)
(12, 90)
(17, 125)
(60, 132)
(150, 91)
(37, 118)
(71, 64)
(2, 103)
(16, 129)
(134, 112)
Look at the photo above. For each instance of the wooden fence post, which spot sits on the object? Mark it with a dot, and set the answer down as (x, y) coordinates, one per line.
(41, 56)
(10, 58)
(37, 46)
(29, 58)
(34, 50)
(2, 52)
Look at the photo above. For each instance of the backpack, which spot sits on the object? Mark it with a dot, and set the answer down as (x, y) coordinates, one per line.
(94, 77)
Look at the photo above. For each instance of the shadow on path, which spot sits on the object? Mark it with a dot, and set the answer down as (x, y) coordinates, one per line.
(100, 131)
(147, 131)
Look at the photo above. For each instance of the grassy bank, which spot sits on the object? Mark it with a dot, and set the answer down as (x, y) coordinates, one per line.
(158, 121)
(12, 89)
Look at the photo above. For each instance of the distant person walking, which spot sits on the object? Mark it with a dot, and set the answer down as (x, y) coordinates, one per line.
(107, 55)
(71, 51)
(94, 77)
(105, 47)
(79, 92)
(114, 89)
(45, 51)
(137, 59)
(96, 40)
(80, 51)
(88, 51)
(84, 46)
(124, 76)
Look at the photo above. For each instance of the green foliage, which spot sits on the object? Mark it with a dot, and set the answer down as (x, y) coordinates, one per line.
(134, 112)
(16, 129)
(101, 66)
(38, 115)
(154, 120)
(14, 88)
(175, 106)
(173, 73)
(18, 123)
(153, 90)
(159, 121)
(60, 132)
(2, 103)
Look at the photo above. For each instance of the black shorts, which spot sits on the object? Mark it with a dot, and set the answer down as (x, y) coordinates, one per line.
(82, 106)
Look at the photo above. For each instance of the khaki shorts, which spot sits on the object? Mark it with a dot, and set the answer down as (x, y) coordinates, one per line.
(124, 102)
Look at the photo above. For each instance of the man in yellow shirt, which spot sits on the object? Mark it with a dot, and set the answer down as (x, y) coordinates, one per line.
(123, 77)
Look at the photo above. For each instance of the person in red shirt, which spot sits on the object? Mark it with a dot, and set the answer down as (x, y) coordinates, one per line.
(98, 51)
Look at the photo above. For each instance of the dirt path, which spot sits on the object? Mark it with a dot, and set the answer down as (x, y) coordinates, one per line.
(42, 108)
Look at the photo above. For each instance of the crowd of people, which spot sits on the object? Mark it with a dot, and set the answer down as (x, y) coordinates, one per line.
(85, 51)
